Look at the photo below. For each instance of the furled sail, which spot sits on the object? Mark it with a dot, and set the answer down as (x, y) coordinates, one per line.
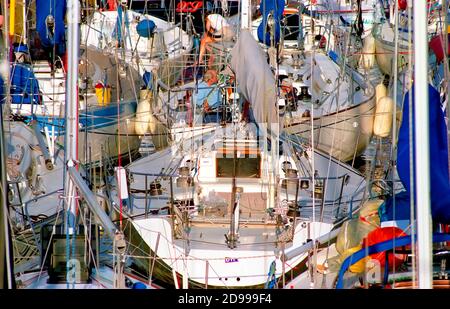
(255, 78)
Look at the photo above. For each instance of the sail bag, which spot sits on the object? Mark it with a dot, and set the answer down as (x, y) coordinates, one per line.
(439, 174)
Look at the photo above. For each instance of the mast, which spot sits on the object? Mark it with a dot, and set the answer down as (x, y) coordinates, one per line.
(71, 121)
(6, 265)
(421, 131)
(246, 14)
(71, 134)
(6, 60)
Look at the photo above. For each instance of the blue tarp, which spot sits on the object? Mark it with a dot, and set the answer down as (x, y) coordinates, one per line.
(24, 85)
(145, 28)
(275, 8)
(439, 175)
(51, 38)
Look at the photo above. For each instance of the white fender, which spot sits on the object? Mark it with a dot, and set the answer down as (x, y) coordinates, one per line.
(368, 57)
(143, 113)
(380, 91)
(383, 117)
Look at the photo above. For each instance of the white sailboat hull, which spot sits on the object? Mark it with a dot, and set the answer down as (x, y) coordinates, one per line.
(385, 49)
(343, 134)
(214, 264)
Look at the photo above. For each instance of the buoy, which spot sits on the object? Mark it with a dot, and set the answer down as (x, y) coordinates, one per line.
(402, 4)
(138, 286)
(143, 113)
(383, 117)
(368, 52)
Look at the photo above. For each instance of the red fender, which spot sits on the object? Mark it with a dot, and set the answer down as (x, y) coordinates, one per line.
(402, 4)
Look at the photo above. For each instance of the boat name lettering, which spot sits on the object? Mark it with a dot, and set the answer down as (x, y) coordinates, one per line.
(231, 260)
(206, 162)
(188, 7)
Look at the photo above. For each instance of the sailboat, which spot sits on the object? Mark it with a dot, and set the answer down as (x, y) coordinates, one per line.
(69, 242)
(147, 42)
(209, 211)
(346, 12)
(6, 260)
(384, 35)
(323, 91)
(107, 95)
(178, 11)
(408, 246)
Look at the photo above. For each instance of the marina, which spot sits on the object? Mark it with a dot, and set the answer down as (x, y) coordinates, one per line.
(233, 144)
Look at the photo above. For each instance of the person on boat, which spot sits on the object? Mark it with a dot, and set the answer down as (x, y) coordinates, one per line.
(208, 96)
(24, 85)
(288, 92)
(217, 29)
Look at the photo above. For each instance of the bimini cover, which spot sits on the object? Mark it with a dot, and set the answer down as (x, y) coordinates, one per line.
(24, 85)
(50, 16)
(254, 77)
(145, 28)
(270, 29)
(439, 175)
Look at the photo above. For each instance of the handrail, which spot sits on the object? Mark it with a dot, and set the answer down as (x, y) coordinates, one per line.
(289, 254)
(91, 201)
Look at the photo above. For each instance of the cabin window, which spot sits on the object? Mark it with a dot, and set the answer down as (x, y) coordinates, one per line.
(245, 167)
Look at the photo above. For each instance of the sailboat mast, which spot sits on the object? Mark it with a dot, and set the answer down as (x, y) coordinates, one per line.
(421, 147)
(6, 58)
(6, 266)
(246, 14)
(71, 133)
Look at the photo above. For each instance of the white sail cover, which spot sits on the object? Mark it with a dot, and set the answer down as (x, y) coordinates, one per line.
(255, 78)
